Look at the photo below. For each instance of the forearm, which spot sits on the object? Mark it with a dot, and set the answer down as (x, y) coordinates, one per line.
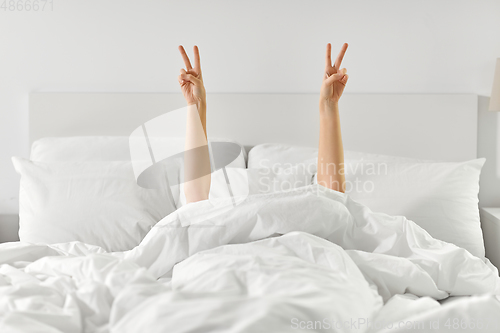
(330, 150)
(202, 112)
(197, 172)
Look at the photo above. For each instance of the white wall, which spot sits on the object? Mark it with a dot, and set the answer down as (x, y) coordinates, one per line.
(418, 46)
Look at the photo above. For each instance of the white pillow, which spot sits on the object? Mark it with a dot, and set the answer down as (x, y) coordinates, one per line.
(95, 202)
(276, 156)
(244, 182)
(441, 197)
(99, 148)
(112, 148)
(240, 185)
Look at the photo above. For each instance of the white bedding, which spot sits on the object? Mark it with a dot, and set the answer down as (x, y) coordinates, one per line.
(278, 262)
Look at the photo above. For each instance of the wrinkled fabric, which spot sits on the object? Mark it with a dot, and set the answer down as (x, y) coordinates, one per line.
(277, 262)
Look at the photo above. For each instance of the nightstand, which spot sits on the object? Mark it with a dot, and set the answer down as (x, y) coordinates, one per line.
(9, 228)
(490, 223)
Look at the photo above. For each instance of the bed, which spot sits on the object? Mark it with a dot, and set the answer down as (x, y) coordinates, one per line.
(99, 254)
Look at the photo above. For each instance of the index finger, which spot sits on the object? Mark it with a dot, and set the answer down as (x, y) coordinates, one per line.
(185, 58)
(338, 61)
(328, 55)
(197, 64)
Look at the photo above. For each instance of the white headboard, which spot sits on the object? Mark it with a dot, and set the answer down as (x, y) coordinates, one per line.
(429, 126)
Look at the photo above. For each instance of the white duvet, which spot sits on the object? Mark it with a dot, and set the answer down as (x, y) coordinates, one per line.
(301, 261)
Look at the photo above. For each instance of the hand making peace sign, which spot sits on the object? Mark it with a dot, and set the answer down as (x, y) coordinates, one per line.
(190, 79)
(334, 78)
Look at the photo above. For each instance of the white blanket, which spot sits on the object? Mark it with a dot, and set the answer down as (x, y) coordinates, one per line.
(301, 261)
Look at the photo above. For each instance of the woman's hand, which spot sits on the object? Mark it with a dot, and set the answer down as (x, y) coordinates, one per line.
(191, 81)
(197, 177)
(334, 79)
(330, 149)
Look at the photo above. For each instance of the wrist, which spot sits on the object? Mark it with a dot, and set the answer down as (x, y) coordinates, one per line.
(328, 107)
(202, 108)
(200, 104)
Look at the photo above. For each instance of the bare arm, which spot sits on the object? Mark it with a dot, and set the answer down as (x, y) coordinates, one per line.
(197, 175)
(330, 150)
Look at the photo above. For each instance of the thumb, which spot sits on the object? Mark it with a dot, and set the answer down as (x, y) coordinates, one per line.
(191, 78)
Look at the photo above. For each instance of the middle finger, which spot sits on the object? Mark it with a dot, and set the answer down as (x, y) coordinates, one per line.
(338, 61)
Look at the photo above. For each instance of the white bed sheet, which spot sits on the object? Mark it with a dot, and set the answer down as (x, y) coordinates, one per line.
(279, 262)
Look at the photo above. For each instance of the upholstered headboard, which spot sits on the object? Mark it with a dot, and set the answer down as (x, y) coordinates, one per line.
(428, 126)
